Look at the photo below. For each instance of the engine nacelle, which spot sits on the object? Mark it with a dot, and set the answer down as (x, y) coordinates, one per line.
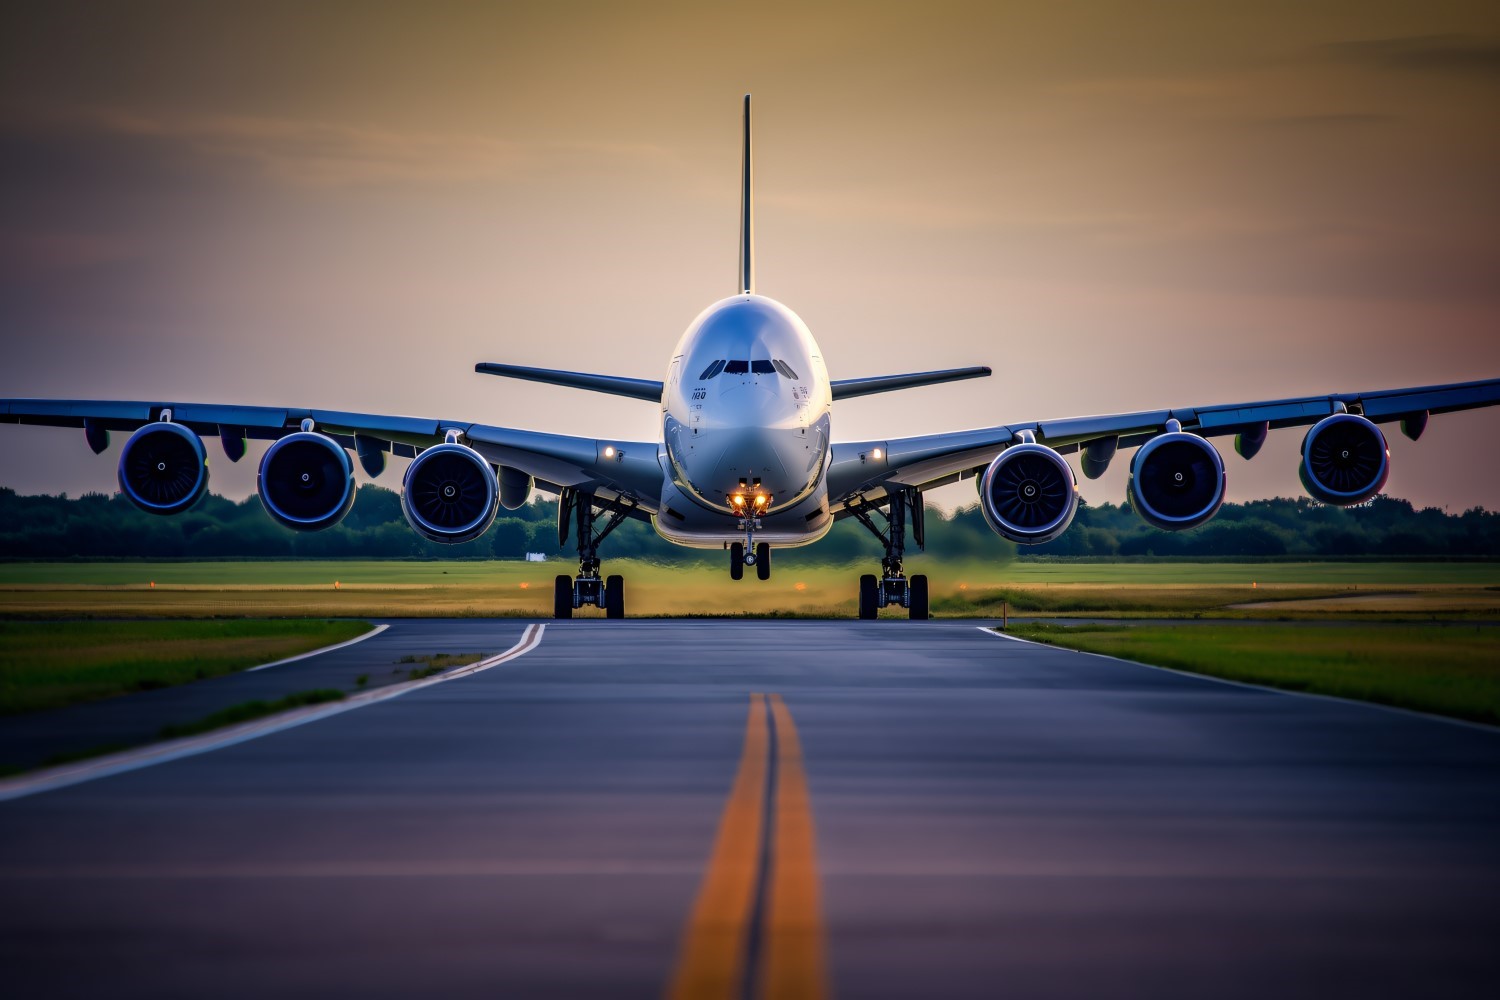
(450, 494)
(306, 481)
(1345, 460)
(163, 468)
(1029, 494)
(1177, 480)
(515, 488)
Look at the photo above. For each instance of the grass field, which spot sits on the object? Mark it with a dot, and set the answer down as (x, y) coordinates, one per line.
(1451, 669)
(46, 665)
(501, 588)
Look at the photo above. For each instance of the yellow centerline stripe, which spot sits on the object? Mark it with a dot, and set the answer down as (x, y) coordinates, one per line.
(712, 962)
(792, 957)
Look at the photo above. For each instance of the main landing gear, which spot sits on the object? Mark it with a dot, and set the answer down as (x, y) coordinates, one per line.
(571, 593)
(893, 586)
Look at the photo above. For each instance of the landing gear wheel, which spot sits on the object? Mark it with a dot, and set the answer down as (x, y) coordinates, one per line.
(763, 561)
(868, 601)
(737, 560)
(614, 597)
(562, 597)
(918, 586)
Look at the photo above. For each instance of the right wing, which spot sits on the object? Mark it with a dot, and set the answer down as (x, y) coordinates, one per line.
(610, 469)
(937, 459)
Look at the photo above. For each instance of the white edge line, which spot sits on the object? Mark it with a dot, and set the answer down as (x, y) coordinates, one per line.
(319, 652)
(189, 746)
(1429, 716)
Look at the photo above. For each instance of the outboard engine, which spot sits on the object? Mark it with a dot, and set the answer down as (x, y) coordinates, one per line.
(163, 468)
(1176, 480)
(450, 494)
(1029, 493)
(306, 481)
(1345, 460)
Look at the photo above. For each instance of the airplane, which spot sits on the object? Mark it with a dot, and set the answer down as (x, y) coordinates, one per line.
(746, 461)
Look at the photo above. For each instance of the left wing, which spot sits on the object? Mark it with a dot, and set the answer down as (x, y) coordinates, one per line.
(864, 469)
(610, 469)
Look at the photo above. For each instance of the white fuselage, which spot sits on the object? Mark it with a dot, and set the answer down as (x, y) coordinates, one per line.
(745, 423)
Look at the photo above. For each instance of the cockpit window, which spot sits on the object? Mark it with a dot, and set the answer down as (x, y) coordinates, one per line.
(786, 370)
(712, 370)
(737, 367)
(762, 368)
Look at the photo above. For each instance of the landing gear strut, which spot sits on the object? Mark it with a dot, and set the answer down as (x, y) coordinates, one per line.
(893, 586)
(571, 593)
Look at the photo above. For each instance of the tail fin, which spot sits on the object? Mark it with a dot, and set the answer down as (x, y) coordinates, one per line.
(747, 212)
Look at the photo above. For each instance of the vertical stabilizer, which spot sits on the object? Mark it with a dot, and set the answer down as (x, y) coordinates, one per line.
(747, 224)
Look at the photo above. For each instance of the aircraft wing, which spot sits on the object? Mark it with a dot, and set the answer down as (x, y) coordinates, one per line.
(864, 468)
(628, 470)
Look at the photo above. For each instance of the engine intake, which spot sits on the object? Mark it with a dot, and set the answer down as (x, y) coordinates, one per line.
(306, 481)
(163, 468)
(450, 494)
(1029, 494)
(1177, 480)
(1345, 460)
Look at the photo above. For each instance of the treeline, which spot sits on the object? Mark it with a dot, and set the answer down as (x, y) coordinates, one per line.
(99, 526)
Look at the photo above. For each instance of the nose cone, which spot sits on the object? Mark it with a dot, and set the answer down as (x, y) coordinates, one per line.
(751, 454)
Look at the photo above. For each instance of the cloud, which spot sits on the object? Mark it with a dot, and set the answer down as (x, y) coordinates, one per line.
(1438, 54)
(316, 154)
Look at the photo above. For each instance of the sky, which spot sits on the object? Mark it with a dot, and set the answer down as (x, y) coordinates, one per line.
(1116, 206)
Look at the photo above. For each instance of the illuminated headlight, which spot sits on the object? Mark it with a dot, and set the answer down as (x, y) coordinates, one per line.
(762, 501)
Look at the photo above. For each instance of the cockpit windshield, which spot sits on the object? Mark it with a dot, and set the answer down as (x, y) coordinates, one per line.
(759, 366)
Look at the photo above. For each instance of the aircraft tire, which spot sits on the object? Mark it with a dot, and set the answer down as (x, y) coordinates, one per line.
(614, 597)
(562, 597)
(868, 601)
(918, 585)
(736, 560)
(763, 561)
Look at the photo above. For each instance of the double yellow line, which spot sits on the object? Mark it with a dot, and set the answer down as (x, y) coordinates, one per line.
(757, 923)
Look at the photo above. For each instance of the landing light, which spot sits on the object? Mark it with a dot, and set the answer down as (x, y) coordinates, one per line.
(877, 453)
(609, 451)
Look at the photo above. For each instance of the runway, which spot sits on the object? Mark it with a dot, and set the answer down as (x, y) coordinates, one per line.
(866, 809)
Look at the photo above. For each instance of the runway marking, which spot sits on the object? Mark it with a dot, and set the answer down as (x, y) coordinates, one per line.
(756, 927)
(319, 652)
(1463, 723)
(190, 746)
(794, 964)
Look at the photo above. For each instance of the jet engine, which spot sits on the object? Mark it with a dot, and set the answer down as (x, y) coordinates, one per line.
(163, 468)
(1344, 460)
(450, 494)
(1176, 480)
(515, 488)
(1029, 494)
(306, 481)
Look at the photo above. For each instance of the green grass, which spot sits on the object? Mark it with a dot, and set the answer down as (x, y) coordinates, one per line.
(51, 664)
(369, 589)
(247, 710)
(1445, 669)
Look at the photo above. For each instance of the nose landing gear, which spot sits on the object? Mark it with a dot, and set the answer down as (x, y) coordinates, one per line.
(893, 587)
(750, 553)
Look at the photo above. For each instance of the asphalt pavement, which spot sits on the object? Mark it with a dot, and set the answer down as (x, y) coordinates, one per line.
(926, 810)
